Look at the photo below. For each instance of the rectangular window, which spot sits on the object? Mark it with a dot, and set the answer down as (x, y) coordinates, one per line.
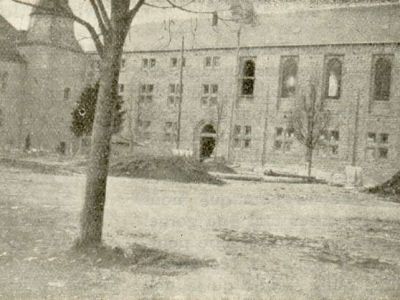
(247, 76)
(371, 137)
(288, 78)
(121, 88)
(333, 76)
(146, 93)
(216, 61)
(329, 143)
(208, 62)
(144, 129)
(123, 63)
(384, 138)
(145, 63)
(377, 146)
(283, 139)
(210, 94)
(67, 94)
(382, 76)
(242, 138)
(174, 62)
(173, 95)
(148, 63)
(170, 131)
(212, 62)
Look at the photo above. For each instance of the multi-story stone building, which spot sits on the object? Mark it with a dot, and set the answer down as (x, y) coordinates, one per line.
(240, 83)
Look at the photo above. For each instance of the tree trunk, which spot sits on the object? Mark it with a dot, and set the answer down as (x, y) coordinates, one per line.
(95, 196)
(309, 161)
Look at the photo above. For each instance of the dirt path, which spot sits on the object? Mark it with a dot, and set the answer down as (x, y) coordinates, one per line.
(249, 240)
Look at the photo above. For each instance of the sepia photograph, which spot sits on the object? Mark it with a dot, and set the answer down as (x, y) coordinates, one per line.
(200, 149)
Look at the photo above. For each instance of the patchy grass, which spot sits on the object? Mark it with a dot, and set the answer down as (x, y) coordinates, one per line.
(325, 251)
(37, 261)
(280, 240)
(257, 237)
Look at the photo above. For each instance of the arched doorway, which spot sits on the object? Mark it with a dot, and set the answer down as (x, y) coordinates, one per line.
(207, 141)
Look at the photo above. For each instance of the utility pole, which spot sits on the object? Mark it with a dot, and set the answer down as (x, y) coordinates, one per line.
(236, 96)
(178, 136)
(264, 152)
(355, 140)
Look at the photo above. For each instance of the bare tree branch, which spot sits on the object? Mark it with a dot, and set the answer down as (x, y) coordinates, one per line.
(99, 17)
(173, 5)
(104, 14)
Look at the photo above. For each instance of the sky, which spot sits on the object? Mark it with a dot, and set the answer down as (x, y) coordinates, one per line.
(18, 16)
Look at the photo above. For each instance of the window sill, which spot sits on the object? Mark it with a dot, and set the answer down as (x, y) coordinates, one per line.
(243, 98)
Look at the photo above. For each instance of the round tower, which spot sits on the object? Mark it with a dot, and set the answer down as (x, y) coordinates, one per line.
(56, 67)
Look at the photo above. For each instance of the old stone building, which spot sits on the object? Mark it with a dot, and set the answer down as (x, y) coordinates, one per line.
(239, 87)
(43, 73)
(354, 52)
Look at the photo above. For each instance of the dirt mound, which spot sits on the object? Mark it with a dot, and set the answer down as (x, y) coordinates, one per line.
(36, 167)
(389, 187)
(163, 168)
(220, 167)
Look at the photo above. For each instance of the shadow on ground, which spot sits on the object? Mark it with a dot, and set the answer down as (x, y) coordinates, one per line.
(37, 260)
(138, 258)
(321, 250)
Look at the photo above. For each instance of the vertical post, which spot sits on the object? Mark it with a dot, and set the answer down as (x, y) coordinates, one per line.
(355, 140)
(264, 152)
(236, 95)
(178, 136)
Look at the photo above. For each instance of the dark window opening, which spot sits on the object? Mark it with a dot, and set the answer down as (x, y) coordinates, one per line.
(62, 148)
(248, 77)
(333, 79)
(383, 76)
(146, 93)
(4, 81)
(174, 62)
(289, 78)
(67, 92)
(242, 139)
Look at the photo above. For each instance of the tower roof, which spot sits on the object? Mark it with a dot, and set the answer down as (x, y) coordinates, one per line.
(60, 6)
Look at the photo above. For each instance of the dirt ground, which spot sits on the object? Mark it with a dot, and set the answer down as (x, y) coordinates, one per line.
(242, 240)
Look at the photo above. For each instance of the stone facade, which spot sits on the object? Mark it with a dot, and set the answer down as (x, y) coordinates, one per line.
(266, 110)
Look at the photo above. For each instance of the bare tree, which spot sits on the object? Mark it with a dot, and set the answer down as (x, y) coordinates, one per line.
(220, 110)
(114, 22)
(309, 121)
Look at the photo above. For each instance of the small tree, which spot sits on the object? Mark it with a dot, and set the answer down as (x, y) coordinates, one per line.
(309, 121)
(84, 111)
(220, 110)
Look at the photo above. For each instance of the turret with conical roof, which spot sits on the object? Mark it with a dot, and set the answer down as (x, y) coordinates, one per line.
(52, 29)
(60, 6)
